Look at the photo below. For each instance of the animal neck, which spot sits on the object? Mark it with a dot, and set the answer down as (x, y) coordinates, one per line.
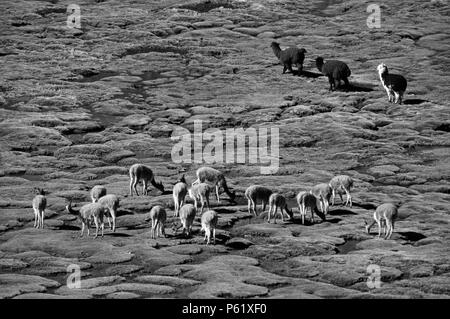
(153, 182)
(383, 76)
(319, 66)
(276, 50)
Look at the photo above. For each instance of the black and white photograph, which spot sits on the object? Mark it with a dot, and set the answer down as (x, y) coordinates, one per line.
(245, 150)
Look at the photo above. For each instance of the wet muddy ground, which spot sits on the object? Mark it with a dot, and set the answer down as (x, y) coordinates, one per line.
(79, 107)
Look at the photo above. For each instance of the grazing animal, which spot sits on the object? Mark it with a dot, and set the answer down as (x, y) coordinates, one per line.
(179, 191)
(216, 178)
(187, 216)
(39, 205)
(385, 216)
(141, 172)
(335, 71)
(257, 193)
(88, 212)
(288, 57)
(200, 192)
(323, 192)
(307, 200)
(209, 223)
(278, 201)
(158, 217)
(111, 202)
(394, 84)
(341, 183)
(97, 191)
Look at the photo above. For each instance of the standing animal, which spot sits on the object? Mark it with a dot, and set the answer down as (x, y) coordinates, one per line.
(39, 205)
(341, 183)
(257, 193)
(288, 57)
(140, 172)
(394, 84)
(200, 192)
(216, 178)
(179, 192)
(187, 216)
(323, 192)
(111, 202)
(278, 201)
(305, 201)
(158, 217)
(209, 223)
(97, 191)
(335, 71)
(88, 212)
(385, 216)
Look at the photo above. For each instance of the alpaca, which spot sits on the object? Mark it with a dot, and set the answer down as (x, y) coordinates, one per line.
(307, 200)
(141, 172)
(158, 216)
(179, 192)
(96, 192)
(216, 178)
(111, 202)
(187, 216)
(339, 183)
(385, 216)
(278, 201)
(289, 56)
(394, 84)
(39, 205)
(209, 223)
(335, 71)
(87, 212)
(200, 192)
(254, 193)
(323, 192)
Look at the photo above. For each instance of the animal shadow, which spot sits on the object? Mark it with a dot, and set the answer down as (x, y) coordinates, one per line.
(341, 212)
(411, 235)
(308, 74)
(358, 87)
(414, 101)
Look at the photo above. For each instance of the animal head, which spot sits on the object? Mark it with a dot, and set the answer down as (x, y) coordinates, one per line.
(233, 196)
(366, 225)
(382, 68)
(160, 186)
(290, 213)
(319, 63)
(275, 45)
(303, 50)
(39, 191)
(182, 179)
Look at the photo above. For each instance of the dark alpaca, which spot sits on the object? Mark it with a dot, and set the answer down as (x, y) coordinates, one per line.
(290, 56)
(335, 71)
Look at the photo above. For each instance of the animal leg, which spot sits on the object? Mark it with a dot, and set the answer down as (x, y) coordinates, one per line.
(284, 69)
(36, 214)
(217, 193)
(214, 236)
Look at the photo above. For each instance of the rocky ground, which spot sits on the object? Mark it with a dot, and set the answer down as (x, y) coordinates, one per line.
(78, 107)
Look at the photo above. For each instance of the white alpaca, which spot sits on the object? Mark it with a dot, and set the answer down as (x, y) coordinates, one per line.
(341, 183)
(179, 193)
(140, 172)
(187, 216)
(88, 212)
(278, 201)
(39, 205)
(111, 202)
(385, 216)
(158, 217)
(305, 201)
(257, 193)
(214, 177)
(394, 84)
(96, 192)
(200, 192)
(209, 223)
(323, 192)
